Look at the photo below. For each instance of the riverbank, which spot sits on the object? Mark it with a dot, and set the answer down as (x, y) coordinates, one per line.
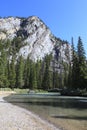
(13, 117)
(65, 112)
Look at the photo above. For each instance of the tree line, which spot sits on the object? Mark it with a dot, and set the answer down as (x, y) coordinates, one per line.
(79, 66)
(24, 73)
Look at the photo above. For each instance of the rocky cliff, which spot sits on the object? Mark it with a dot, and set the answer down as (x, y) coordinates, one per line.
(37, 36)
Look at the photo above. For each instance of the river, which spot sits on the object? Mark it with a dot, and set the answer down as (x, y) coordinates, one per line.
(67, 113)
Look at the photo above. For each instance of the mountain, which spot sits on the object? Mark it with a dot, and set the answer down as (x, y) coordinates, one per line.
(32, 57)
(36, 39)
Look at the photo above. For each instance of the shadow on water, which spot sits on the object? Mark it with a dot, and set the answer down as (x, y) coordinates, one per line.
(56, 101)
(59, 110)
(69, 117)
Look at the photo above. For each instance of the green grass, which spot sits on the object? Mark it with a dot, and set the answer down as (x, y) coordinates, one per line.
(40, 91)
(17, 90)
(21, 91)
(5, 89)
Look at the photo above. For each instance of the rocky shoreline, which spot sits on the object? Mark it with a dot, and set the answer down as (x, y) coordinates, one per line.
(13, 117)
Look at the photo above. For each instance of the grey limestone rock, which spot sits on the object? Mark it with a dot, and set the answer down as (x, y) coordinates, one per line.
(40, 41)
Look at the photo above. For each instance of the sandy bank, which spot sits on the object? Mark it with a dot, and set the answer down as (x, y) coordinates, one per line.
(13, 117)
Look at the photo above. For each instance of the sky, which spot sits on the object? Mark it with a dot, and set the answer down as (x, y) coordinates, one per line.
(65, 18)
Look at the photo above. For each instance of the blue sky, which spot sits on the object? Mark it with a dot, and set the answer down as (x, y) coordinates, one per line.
(65, 18)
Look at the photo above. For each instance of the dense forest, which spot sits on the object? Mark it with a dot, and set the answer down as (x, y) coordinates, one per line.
(17, 72)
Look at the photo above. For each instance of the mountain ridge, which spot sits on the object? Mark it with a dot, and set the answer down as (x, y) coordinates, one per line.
(40, 40)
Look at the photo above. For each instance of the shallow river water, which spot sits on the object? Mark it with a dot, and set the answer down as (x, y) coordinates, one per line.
(68, 113)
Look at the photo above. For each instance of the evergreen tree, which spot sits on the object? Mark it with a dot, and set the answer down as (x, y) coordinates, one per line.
(1, 73)
(12, 73)
(3, 66)
(74, 75)
(82, 66)
(16, 44)
(79, 66)
(27, 72)
(69, 80)
(20, 73)
(7, 44)
(47, 78)
(56, 80)
(38, 74)
(32, 78)
(65, 75)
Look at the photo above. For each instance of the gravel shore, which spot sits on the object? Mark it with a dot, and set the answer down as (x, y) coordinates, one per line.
(13, 117)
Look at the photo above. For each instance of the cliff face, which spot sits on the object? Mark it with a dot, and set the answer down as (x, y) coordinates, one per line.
(9, 27)
(37, 36)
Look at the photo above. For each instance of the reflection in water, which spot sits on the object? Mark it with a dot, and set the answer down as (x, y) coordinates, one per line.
(62, 110)
(63, 103)
(70, 117)
(56, 109)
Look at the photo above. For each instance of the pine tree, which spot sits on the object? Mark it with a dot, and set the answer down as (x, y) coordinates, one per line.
(47, 78)
(12, 73)
(39, 74)
(20, 73)
(79, 66)
(82, 66)
(3, 66)
(74, 75)
(32, 78)
(27, 72)
(1, 73)
(66, 75)
(56, 80)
